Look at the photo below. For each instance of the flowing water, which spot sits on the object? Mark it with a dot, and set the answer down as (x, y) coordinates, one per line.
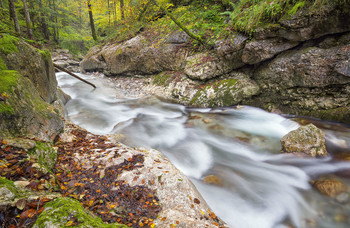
(232, 155)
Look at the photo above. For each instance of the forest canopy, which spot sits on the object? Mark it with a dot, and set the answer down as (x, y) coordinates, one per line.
(78, 25)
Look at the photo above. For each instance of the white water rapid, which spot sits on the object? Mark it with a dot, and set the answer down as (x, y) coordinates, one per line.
(257, 187)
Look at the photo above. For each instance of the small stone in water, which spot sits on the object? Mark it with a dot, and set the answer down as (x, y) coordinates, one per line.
(343, 197)
(340, 218)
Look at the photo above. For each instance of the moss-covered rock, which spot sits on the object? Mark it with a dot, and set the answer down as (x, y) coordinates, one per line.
(63, 211)
(308, 140)
(35, 64)
(23, 112)
(226, 92)
(46, 155)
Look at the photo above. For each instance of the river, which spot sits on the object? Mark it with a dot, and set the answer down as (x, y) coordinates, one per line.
(236, 150)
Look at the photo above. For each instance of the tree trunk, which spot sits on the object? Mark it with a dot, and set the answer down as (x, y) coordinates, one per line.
(44, 26)
(13, 15)
(122, 9)
(56, 22)
(27, 16)
(92, 24)
(109, 12)
(178, 23)
(53, 21)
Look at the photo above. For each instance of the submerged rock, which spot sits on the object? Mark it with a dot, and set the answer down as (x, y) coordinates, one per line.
(307, 140)
(330, 187)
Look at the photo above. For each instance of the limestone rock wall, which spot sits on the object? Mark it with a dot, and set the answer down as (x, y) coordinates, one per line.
(300, 65)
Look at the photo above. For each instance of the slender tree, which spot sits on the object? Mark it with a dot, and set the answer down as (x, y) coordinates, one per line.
(44, 26)
(92, 24)
(122, 9)
(178, 23)
(27, 16)
(13, 15)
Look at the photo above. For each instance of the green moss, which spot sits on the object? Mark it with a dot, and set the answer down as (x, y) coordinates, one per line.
(2, 64)
(45, 154)
(296, 7)
(10, 186)
(61, 210)
(4, 181)
(46, 54)
(161, 79)
(8, 79)
(219, 93)
(8, 44)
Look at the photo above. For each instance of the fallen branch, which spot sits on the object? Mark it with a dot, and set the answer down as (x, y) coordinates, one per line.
(74, 75)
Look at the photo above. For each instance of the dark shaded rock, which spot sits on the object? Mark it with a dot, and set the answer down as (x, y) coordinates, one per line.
(311, 24)
(307, 139)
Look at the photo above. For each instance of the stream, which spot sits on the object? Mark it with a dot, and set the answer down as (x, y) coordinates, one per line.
(232, 154)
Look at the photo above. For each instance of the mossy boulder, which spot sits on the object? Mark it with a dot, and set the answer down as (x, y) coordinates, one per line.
(64, 211)
(35, 64)
(306, 140)
(23, 112)
(226, 92)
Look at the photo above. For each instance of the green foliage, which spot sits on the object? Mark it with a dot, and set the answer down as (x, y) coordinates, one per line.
(249, 14)
(8, 44)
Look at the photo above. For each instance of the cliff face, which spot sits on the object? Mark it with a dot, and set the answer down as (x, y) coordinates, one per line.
(299, 65)
(27, 86)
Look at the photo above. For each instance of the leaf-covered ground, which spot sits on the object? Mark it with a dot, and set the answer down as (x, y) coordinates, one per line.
(81, 176)
(83, 171)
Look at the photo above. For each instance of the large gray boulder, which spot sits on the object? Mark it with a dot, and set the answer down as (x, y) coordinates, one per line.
(306, 140)
(136, 56)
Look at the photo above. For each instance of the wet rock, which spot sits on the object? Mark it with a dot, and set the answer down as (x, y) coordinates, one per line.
(343, 197)
(261, 50)
(212, 179)
(307, 139)
(330, 187)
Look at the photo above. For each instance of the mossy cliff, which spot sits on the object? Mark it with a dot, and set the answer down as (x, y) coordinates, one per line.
(24, 111)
